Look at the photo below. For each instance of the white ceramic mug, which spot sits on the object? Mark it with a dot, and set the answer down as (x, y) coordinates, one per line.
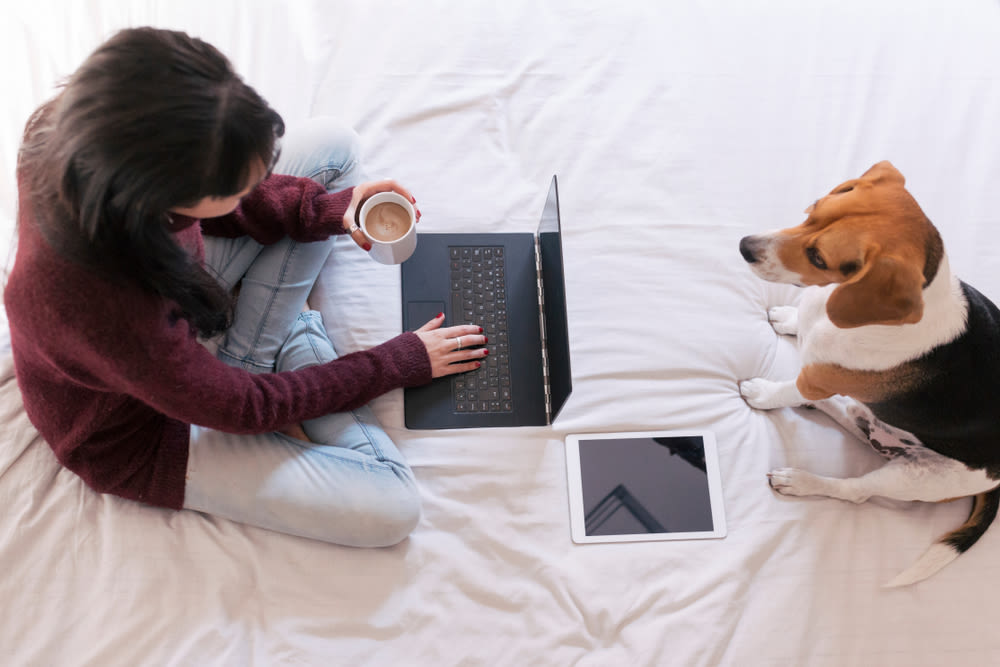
(389, 222)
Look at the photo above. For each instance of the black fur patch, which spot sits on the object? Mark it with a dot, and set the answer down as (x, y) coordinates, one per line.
(982, 515)
(885, 450)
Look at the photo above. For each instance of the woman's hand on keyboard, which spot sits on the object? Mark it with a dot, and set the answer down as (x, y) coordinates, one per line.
(452, 349)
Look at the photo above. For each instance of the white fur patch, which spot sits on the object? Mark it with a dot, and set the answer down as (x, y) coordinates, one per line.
(879, 347)
(936, 557)
(764, 394)
(767, 265)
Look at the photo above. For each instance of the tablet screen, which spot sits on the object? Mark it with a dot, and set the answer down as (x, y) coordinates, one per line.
(644, 486)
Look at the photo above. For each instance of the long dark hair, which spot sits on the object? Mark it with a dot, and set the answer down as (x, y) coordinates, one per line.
(152, 120)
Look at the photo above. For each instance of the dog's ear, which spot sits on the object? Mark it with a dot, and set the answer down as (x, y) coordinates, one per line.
(885, 172)
(888, 290)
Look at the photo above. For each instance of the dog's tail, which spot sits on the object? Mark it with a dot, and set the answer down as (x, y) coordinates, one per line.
(951, 545)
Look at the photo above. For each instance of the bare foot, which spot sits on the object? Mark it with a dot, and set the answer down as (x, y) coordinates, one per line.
(295, 431)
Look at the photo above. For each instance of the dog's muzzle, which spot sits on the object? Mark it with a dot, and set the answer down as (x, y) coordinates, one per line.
(750, 247)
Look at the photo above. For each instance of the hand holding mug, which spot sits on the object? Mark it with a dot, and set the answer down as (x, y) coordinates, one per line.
(381, 219)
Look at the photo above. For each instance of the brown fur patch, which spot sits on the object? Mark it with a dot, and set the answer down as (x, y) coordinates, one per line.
(870, 236)
(819, 381)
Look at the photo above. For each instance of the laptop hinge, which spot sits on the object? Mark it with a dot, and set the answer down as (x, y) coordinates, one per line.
(541, 326)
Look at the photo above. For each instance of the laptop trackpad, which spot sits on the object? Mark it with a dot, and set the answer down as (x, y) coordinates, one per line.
(419, 313)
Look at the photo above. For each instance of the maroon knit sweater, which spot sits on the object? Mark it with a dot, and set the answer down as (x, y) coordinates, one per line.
(113, 378)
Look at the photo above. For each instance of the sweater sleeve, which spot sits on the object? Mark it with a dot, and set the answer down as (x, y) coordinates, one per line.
(284, 206)
(161, 363)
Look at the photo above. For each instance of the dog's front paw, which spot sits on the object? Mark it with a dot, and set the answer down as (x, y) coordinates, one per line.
(784, 320)
(792, 482)
(764, 394)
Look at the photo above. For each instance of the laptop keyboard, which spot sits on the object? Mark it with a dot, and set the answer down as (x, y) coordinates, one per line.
(479, 296)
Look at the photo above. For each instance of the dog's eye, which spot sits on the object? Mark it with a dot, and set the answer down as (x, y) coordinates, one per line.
(813, 255)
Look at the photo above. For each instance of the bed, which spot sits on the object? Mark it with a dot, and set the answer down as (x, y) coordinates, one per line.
(675, 129)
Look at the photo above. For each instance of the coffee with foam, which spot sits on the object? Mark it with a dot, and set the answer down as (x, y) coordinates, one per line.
(387, 222)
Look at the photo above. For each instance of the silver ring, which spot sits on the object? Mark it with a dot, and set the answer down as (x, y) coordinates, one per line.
(459, 341)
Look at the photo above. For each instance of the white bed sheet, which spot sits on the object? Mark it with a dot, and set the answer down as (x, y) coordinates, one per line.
(675, 130)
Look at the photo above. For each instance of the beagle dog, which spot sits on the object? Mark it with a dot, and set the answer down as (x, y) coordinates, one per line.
(894, 348)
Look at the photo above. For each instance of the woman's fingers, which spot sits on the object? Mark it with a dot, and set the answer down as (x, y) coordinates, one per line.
(465, 341)
(458, 361)
(359, 238)
(453, 349)
(434, 323)
(459, 367)
(386, 185)
(352, 226)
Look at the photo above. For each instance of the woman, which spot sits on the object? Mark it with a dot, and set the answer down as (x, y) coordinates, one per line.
(146, 195)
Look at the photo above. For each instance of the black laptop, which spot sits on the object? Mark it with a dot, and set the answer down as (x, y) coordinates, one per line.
(513, 286)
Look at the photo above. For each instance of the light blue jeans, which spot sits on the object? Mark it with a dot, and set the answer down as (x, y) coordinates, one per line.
(350, 485)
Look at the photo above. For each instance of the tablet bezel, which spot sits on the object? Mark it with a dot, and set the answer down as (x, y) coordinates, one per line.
(575, 485)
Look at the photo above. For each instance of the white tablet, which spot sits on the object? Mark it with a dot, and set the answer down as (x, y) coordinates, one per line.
(655, 485)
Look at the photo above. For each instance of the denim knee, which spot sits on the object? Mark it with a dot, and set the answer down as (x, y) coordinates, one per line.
(307, 344)
(336, 137)
(325, 150)
(395, 518)
(384, 523)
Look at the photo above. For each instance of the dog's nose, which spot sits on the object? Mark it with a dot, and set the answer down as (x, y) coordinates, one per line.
(746, 249)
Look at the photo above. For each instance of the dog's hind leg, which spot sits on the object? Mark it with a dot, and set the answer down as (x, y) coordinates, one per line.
(912, 471)
(927, 477)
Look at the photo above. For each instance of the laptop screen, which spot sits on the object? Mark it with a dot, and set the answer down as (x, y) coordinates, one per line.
(556, 330)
